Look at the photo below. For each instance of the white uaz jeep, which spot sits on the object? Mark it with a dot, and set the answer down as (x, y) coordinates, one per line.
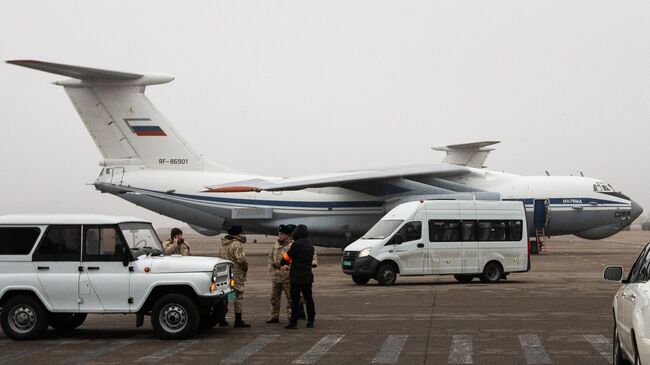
(55, 269)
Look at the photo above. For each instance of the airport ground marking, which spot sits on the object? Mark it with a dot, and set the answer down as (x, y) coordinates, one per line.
(167, 352)
(249, 350)
(390, 350)
(318, 350)
(97, 352)
(461, 350)
(602, 345)
(534, 350)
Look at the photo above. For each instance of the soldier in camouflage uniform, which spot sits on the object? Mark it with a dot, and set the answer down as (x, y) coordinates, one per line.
(280, 278)
(176, 245)
(233, 250)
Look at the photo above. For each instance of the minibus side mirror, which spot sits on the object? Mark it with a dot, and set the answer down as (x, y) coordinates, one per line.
(613, 273)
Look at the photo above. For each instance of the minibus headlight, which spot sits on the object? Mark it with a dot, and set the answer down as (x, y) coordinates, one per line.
(365, 252)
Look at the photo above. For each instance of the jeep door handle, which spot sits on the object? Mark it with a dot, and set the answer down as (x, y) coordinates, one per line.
(420, 245)
(43, 267)
(93, 267)
(633, 296)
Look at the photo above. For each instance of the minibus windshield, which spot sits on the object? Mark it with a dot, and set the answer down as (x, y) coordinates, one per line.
(382, 229)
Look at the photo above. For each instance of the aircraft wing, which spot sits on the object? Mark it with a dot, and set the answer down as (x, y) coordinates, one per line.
(343, 179)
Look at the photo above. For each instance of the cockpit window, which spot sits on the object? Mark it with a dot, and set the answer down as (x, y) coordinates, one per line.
(601, 187)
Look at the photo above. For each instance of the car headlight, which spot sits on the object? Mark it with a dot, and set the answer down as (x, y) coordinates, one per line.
(365, 252)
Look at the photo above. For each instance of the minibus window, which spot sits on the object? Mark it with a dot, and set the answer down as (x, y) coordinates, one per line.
(468, 231)
(411, 231)
(382, 229)
(444, 231)
(514, 230)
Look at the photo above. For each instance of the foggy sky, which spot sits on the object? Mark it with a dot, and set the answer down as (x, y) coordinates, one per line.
(286, 88)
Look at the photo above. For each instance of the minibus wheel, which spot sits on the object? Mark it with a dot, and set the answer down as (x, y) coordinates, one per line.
(492, 272)
(386, 274)
(361, 279)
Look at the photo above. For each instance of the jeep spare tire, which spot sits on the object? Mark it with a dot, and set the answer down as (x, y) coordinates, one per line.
(175, 316)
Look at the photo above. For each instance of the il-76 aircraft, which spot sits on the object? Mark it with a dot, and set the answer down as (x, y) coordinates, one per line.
(148, 163)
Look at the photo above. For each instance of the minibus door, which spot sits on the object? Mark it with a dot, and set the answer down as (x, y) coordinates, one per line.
(409, 248)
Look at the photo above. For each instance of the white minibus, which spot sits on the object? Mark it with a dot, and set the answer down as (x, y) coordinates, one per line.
(464, 238)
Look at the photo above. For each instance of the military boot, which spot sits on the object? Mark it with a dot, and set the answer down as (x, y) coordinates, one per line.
(239, 323)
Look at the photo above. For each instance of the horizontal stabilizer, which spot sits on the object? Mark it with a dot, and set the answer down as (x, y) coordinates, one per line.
(466, 154)
(76, 72)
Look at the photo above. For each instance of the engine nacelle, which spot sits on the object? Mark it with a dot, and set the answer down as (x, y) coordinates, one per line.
(204, 231)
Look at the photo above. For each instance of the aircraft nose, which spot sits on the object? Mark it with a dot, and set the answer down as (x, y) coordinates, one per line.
(636, 210)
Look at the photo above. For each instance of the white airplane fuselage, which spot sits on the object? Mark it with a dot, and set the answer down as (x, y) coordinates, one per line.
(336, 216)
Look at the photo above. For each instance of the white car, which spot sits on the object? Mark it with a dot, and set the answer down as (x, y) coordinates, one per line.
(632, 311)
(55, 269)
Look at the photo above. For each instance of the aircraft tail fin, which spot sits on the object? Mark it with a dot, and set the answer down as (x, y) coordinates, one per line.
(125, 125)
(467, 154)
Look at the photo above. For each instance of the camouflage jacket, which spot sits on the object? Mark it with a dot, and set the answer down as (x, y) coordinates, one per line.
(172, 248)
(277, 274)
(233, 250)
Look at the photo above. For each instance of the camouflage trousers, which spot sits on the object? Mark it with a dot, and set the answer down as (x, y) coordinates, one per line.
(239, 296)
(276, 296)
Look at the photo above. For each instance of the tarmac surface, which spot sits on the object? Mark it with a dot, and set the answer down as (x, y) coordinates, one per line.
(558, 313)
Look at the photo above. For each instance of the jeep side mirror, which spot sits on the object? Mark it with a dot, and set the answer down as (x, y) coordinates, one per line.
(613, 273)
(125, 260)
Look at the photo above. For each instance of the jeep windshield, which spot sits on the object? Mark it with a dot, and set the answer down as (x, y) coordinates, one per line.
(142, 239)
(382, 229)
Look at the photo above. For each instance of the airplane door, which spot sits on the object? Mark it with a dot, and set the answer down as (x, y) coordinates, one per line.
(409, 248)
(56, 261)
(540, 213)
(117, 176)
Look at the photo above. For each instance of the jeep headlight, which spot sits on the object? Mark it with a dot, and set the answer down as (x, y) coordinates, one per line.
(365, 252)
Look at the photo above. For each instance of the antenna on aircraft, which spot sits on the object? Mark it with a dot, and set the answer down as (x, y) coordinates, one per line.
(547, 173)
(581, 174)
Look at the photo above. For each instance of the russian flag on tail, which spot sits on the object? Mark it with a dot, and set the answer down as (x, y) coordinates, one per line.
(144, 127)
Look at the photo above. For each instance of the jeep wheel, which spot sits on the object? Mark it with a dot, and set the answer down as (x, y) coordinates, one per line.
(491, 273)
(361, 279)
(24, 318)
(215, 315)
(464, 278)
(386, 275)
(175, 316)
(67, 321)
